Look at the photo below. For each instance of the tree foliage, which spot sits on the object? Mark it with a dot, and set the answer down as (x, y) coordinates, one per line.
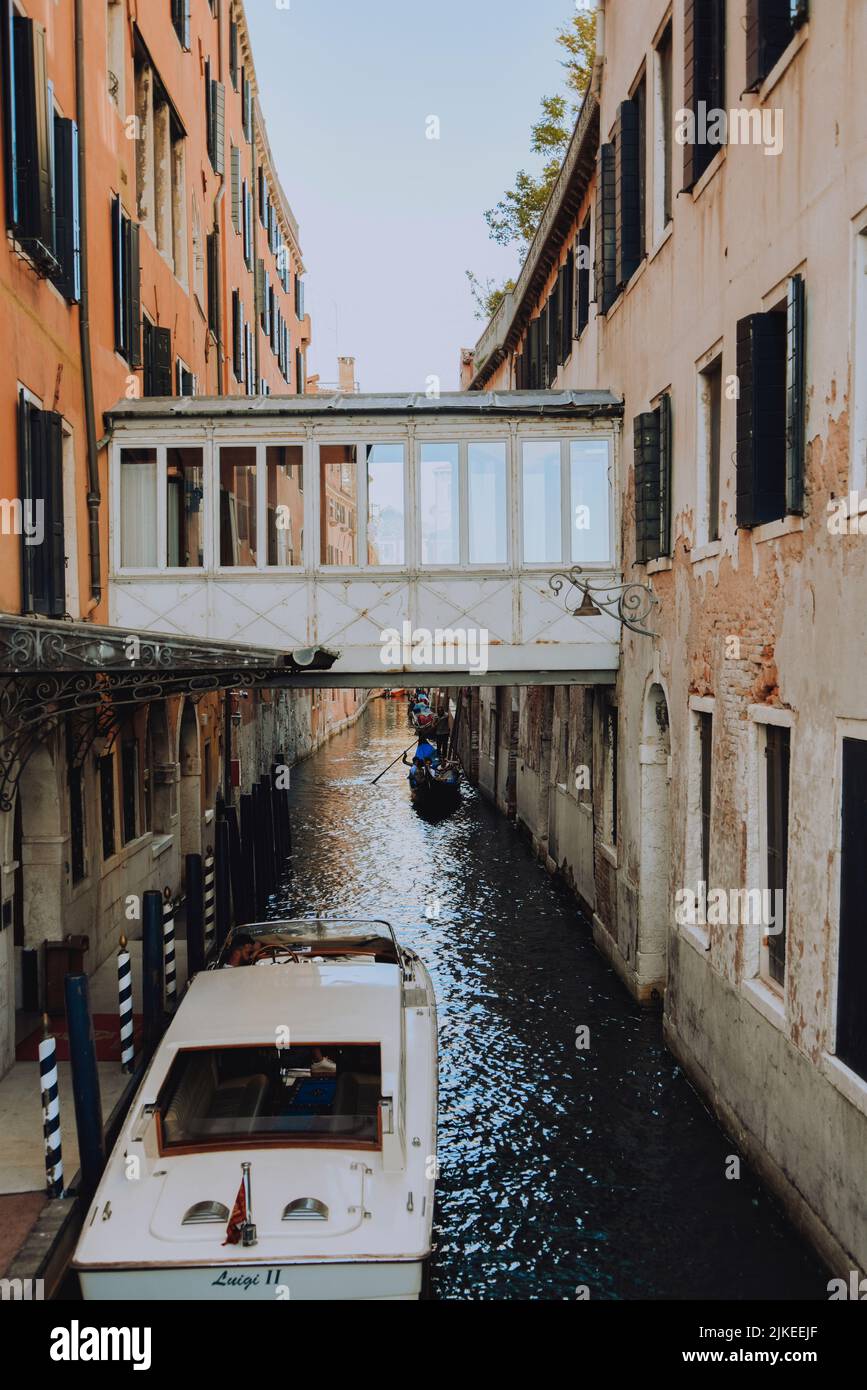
(516, 216)
(488, 297)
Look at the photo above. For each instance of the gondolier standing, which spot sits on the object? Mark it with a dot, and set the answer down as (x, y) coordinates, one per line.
(443, 731)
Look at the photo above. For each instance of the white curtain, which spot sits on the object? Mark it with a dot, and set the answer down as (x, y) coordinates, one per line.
(138, 515)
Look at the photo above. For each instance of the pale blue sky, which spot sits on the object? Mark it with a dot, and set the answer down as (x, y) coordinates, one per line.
(390, 220)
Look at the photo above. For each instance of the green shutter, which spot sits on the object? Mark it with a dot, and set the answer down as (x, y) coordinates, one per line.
(761, 419)
(646, 446)
(795, 393)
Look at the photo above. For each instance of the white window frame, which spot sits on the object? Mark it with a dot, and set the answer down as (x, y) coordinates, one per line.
(755, 951)
(565, 442)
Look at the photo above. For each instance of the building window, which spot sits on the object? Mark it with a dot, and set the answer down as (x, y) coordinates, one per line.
(27, 123)
(184, 510)
(233, 53)
(771, 26)
(181, 21)
(542, 501)
(186, 380)
(138, 508)
(127, 285)
(285, 503)
(238, 519)
(704, 26)
(300, 379)
(77, 843)
(440, 503)
(299, 297)
(662, 144)
(609, 773)
(239, 339)
(67, 228)
(129, 789)
(589, 500)
(652, 435)
(582, 310)
(39, 509)
(777, 744)
(385, 504)
(215, 120)
(629, 178)
(338, 483)
(705, 738)
(709, 415)
(213, 263)
(771, 369)
(106, 805)
(487, 497)
(851, 1043)
(157, 360)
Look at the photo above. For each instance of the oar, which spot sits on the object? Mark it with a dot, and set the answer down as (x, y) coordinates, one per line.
(414, 744)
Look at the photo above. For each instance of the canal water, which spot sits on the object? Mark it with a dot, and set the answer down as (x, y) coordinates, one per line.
(560, 1167)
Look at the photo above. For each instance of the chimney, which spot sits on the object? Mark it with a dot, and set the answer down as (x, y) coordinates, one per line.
(346, 374)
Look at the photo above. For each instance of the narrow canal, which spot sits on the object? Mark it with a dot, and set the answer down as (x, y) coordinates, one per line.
(559, 1167)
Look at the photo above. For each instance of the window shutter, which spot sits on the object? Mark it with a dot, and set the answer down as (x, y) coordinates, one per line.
(692, 87)
(555, 325)
(236, 334)
(133, 280)
(187, 7)
(582, 310)
(567, 279)
(213, 282)
(10, 143)
(628, 195)
(119, 285)
(260, 287)
(533, 337)
(704, 74)
(27, 490)
(543, 348)
(218, 102)
(44, 131)
(162, 340)
(236, 188)
(761, 419)
(666, 457)
(646, 444)
(233, 53)
(606, 229)
(55, 540)
(67, 226)
(795, 393)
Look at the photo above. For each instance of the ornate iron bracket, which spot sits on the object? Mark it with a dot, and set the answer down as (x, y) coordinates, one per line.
(631, 604)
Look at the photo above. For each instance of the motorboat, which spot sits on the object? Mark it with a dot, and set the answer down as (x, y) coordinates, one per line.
(282, 1143)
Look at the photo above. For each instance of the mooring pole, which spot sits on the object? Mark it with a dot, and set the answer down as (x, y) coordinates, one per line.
(221, 882)
(50, 1111)
(248, 840)
(236, 869)
(169, 963)
(152, 969)
(195, 916)
(210, 910)
(85, 1081)
(260, 849)
(125, 1007)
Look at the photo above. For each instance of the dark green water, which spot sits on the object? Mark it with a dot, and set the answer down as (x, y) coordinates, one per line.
(559, 1167)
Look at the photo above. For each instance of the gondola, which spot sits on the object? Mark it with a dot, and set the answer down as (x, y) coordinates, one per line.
(438, 792)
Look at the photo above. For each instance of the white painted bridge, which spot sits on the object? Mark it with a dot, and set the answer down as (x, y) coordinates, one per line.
(413, 536)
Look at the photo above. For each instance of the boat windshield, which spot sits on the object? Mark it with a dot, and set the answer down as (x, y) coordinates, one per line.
(225, 1097)
(320, 936)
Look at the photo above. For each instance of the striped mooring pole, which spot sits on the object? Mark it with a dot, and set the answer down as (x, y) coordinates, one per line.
(210, 909)
(169, 947)
(124, 1006)
(50, 1111)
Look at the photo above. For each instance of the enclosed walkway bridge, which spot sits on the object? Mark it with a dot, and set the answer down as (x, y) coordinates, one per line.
(415, 536)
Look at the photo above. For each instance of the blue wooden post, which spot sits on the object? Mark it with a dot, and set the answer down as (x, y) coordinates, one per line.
(85, 1082)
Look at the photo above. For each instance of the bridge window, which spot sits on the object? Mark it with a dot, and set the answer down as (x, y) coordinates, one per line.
(184, 510)
(440, 512)
(238, 539)
(285, 469)
(138, 508)
(488, 515)
(543, 502)
(338, 500)
(588, 477)
(385, 504)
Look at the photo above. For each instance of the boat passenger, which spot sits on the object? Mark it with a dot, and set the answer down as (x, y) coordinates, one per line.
(244, 951)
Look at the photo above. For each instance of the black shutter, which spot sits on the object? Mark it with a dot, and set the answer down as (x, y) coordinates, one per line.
(583, 277)
(704, 75)
(55, 540)
(567, 283)
(133, 280)
(32, 137)
(666, 456)
(761, 419)
(533, 348)
(10, 145)
(554, 332)
(777, 757)
(851, 1045)
(770, 29)
(795, 393)
(627, 179)
(162, 349)
(67, 235)
(28, 490)
(236, 335)
(233, 53)
(606, 229)
(647, 491)
(213, 253)
(117, 264)
(544, 377)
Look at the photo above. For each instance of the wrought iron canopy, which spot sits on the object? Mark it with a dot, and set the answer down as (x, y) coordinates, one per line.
(631, 604)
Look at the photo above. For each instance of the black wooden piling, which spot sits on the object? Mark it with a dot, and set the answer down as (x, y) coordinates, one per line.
(195, 915)
(236, 869)
(85, 1074)
(222, 883)
(152, 970)
(248, 852)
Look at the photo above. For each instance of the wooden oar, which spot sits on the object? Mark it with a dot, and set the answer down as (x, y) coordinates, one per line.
(414, 744)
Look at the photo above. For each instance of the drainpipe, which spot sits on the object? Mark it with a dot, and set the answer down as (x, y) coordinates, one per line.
(222, 389)
(93, 493)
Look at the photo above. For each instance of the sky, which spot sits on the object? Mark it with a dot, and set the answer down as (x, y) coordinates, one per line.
(390, 219)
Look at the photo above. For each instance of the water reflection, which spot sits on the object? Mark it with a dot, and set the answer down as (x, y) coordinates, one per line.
(559, 1167)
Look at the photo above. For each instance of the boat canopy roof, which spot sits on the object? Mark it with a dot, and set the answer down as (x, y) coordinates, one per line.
(328, 932)
(339, 1001)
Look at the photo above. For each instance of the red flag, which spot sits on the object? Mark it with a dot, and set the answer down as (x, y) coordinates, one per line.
(238, 1219)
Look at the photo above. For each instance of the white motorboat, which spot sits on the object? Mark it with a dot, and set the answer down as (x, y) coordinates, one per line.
(316, 1069)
